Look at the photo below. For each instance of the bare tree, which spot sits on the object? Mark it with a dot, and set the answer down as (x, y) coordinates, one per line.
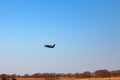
(102, 73)
(26, 75)
(36, 75)
(115, 73)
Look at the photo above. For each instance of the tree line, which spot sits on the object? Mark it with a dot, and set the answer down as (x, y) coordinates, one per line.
(87, 74)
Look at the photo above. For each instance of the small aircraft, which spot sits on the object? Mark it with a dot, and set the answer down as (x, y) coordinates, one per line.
(50, 46)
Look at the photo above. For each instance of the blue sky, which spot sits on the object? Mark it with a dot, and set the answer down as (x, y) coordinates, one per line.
(86, 34)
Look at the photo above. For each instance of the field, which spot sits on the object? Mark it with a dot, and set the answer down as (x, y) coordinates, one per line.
(111, 78)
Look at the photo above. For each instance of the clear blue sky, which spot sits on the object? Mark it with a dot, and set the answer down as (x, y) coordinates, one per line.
(86, 34)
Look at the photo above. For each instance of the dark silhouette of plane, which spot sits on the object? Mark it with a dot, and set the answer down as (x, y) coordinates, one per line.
(50, 46)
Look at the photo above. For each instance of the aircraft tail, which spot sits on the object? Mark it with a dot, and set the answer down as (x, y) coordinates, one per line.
(54, 45)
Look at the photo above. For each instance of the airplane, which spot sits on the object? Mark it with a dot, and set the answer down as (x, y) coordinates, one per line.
(50, 46)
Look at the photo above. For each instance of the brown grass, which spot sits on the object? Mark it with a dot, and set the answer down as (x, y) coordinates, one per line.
(111, 78)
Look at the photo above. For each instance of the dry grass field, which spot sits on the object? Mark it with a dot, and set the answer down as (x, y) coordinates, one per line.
(116, 78)
(111, 78)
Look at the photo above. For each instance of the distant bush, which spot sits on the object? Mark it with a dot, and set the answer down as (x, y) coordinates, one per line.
(53, 76)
